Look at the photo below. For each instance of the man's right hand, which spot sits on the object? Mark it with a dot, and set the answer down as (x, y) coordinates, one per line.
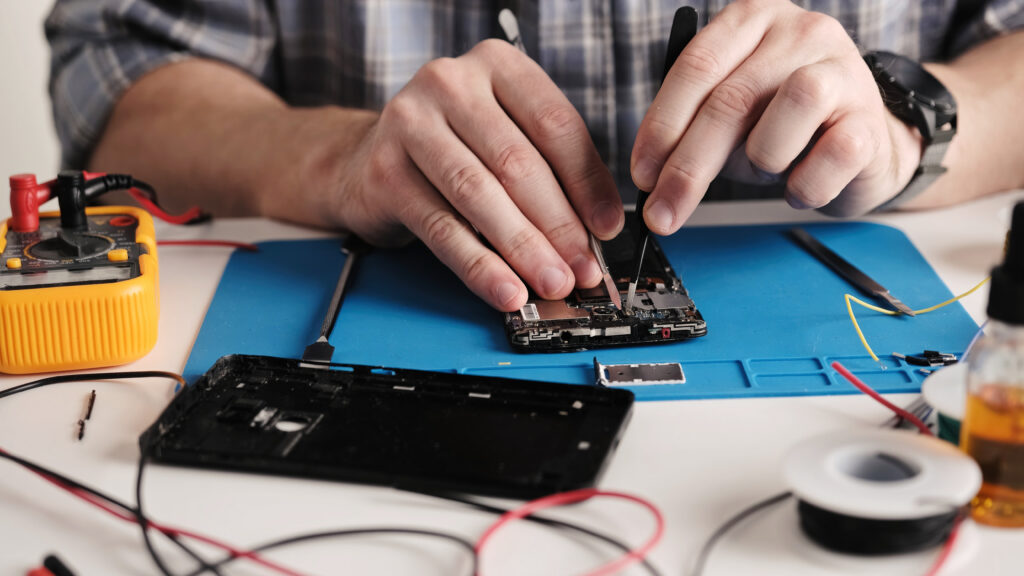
(485, 143)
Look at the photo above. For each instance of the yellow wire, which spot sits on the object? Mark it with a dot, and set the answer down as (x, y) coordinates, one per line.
(860, 333)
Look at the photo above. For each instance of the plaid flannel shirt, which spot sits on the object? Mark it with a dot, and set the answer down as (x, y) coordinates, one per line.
(606, 55)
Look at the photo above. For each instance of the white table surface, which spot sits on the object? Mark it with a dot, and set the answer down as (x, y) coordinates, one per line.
(699, 461)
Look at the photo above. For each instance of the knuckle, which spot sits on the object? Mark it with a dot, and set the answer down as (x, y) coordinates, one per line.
(588, 177)
(443, 76)
(522, 246)
(439, 70)
(700, 60)
(463, 185)
(657, 135)
(440, 228)
(382, 172)
(556, 121)
(514, 163)
(476, 269)
(567, 233)
(492, 49)
(816, 25)
(683, 175)
(807, 87)
(847, 147)
(402, 111)
(731, 102)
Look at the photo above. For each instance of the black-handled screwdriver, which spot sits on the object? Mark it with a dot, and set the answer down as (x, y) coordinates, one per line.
(684, 28)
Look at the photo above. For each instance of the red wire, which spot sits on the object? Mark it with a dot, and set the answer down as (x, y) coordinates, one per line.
(226, 243)
(562, 498)
(151, 207)
(947, 547)
(878, 397)
(168, 530)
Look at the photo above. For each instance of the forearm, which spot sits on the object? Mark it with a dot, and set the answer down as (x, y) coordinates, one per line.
(985, 156)
(208, 134)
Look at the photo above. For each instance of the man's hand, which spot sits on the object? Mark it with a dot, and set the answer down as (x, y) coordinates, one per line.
(485, 143)
(769, 91)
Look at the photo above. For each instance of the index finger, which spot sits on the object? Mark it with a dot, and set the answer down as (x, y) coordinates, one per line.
(713, 54)
(557, 130)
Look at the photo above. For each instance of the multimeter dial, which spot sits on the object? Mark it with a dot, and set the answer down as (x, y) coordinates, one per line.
(69, 246)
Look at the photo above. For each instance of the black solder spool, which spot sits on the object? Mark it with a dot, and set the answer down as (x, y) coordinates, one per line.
(876, 492)
(872, 537)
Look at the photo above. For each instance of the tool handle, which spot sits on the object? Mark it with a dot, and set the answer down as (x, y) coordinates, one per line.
(839, 264)
(684, 28)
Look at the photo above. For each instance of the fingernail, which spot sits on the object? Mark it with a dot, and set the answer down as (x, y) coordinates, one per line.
(605, 217)
(506, 293)
(659, 216)
(586, 269)
(645, 176)
(552, 280)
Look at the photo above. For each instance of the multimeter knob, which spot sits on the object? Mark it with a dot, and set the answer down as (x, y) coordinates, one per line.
(69, 246)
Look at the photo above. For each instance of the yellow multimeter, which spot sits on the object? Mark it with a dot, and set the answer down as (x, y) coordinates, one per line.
(79, 287)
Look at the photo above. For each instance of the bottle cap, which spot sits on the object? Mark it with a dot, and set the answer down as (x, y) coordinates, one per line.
(1006, 298)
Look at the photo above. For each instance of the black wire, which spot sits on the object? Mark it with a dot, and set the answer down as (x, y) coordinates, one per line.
(64, 378)
(124, 507)
(705, 550)
(144, 526)
(919, 409)
(464, 543)
(546, 522)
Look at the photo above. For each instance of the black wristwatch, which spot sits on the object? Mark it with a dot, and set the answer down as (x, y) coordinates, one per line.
(916, 97)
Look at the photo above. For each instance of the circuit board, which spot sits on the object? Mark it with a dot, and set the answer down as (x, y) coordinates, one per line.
(662, 311)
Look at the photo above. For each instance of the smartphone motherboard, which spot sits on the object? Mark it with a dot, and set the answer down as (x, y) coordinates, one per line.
(662, 310)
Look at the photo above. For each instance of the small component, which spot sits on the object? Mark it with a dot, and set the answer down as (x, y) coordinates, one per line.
(263, 418)
(662, 300)
(81, 429)
(557, 310)
(89, 404)
(654, 373)
(928, 358)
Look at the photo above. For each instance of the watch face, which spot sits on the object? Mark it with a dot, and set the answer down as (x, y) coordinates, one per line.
(913, 80)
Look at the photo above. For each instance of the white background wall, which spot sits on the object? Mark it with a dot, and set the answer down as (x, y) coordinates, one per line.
(28, 142)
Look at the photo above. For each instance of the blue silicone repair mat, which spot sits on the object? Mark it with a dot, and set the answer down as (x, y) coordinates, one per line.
(776, 316)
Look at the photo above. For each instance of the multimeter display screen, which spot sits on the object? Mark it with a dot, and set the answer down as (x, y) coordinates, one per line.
(65, 277)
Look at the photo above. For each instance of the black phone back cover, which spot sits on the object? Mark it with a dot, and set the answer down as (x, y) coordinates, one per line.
(410, 429)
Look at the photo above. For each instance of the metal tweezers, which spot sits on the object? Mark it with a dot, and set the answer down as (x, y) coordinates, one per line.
(848, 271)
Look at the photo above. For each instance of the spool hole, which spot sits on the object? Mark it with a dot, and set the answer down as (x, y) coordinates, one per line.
(878, 467)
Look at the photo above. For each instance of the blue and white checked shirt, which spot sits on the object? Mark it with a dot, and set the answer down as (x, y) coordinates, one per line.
(606, 55)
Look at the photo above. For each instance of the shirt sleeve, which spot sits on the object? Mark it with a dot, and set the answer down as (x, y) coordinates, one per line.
(100, 47)
(995, 18)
